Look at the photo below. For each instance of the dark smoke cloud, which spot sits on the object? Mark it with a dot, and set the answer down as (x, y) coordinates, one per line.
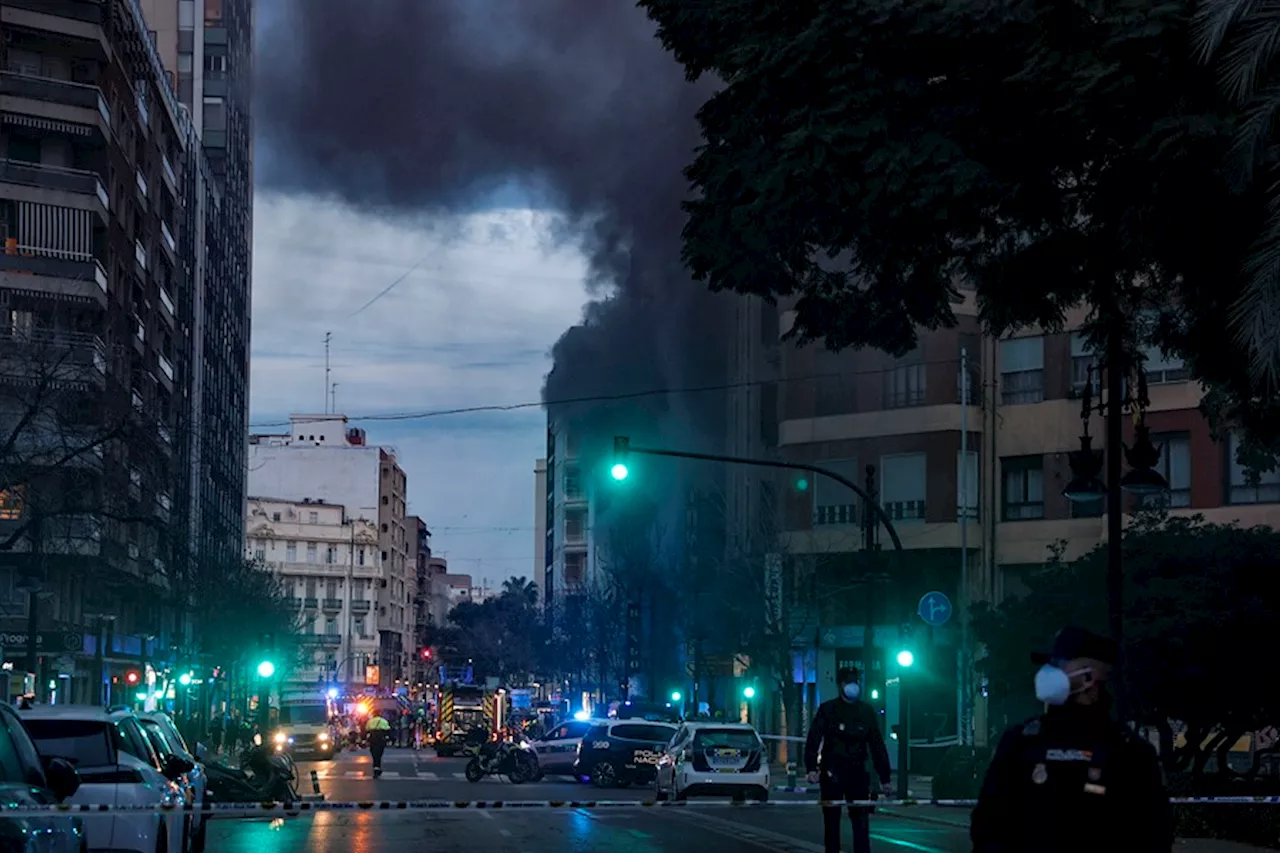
(427, 105)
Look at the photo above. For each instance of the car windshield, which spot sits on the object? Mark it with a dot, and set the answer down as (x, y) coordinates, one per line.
(725, 739)
(85, 743)
(304, 715)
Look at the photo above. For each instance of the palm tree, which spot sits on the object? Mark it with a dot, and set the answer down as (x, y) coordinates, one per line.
(1243, 38)
(521, 590)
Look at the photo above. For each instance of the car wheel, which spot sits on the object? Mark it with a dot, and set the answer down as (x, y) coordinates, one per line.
(474, 771)
(676, 794)
(603, 775)
(762, 795)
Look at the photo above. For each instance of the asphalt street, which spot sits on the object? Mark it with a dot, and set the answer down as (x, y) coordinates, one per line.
(422, 776)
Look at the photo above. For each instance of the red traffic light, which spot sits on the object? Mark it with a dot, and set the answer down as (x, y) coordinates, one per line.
(132, 676)
(426, 654)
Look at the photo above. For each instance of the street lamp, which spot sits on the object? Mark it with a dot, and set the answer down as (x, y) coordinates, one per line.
(1086, 486)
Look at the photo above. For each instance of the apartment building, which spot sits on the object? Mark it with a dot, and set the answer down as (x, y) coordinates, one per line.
(323, 458)
(568, 548)
(206, 48)
(423, 569)
(97, 162)
(328, 563)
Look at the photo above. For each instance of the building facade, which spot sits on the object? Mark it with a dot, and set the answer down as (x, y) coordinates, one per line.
(567, 548)
(328, 564)
(322, 458)
(97, 158)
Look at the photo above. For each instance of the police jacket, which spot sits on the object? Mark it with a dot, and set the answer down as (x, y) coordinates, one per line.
(1072, 779)
(845, 733)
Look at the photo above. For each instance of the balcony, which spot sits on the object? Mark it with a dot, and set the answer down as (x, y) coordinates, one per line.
(24, 181)
(311, 603)
(41, 271)
(138, 404)
(47, 99)
(165, 436)
(144, 112)
(140, 254)
(167, 302)
(166, 366)
(330, 639)
(332, 604)
(358, 607)
(170, 177)
(142, 184)
(52, 355)
(163, 506)
(167, 235)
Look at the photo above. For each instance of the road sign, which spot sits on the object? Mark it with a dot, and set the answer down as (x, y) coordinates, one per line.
(934, 609)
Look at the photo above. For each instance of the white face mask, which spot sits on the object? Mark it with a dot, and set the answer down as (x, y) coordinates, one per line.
(1053, 684)
(852, 691)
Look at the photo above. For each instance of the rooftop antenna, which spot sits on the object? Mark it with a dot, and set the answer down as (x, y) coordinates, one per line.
(328, 336)
(333, 397)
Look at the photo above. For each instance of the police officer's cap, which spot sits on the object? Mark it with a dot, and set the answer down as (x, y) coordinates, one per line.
(1074, 642)
(848, 675)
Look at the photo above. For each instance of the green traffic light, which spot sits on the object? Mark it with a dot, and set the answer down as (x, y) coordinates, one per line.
(619, 471)
(802, 484)
(749, 692)
(906, 659)
(142, 697)
(675, 696)
(266, 669)
(875, 694)
(185, 679)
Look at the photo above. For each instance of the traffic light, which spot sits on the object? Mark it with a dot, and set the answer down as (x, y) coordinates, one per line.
(621, 450)
(906, 659)
(676, 696)
(132, 676)
(802, 484)
(185, 679)
(426, 654)
(749, 692)
(266, 669)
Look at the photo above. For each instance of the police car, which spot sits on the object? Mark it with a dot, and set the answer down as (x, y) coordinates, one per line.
(557, 750)
(724, 759)
(620, 752)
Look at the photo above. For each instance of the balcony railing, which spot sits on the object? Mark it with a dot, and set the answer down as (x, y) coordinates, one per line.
(167, 302)
(332, 604)
(166, 367)
(168, 237)
(166, 437)
(80, 348)
(139, 254)
(142, 182)
(167, 169)
(39, 175)
(55, 91)
(310, 603)
(54, 263)
(359, 607)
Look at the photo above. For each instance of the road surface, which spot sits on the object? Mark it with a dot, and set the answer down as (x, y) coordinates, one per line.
(422, 776)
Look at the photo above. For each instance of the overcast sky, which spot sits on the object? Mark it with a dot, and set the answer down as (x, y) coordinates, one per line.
(471, 324)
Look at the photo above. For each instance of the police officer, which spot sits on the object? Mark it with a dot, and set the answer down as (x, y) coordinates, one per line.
(1073, 779)
(844, 731)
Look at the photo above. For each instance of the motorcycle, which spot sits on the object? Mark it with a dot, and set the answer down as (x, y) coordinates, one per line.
(263, 776)
(513, 760)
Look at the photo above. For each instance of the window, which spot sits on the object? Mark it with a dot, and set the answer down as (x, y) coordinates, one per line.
(1162, 369)
(10, 767)
(330, 626)
(902, 486)
(275, 516)
(291, 552)
(832, 502)
(1022, 370)
(215, 115)
(904, 386)
(1082, 359)
(85, 742)
(385, 500)
(260, 553)
(331, 554)
(360, 555)
(1175, 466)
(572, 484)
(1242, 490)
(358, 626)
(311, 552)
(574, 568)
(1023, 488)
(186, 14)
(967, 484)
(11, 504)
(575, 527)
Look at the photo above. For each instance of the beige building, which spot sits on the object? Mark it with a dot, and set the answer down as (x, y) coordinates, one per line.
(328, 564)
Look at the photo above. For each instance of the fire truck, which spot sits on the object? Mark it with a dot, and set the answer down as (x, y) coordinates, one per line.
(461, 708)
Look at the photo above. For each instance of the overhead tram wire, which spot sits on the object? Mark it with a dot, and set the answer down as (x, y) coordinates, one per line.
(607, 398)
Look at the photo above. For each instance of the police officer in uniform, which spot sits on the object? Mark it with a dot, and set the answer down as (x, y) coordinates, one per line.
(1073, 779)
(846, 731)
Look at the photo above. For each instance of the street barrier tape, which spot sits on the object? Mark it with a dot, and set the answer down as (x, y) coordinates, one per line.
(295, 809)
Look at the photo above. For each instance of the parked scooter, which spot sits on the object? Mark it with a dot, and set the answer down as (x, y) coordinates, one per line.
(263, 776)
(513, 760)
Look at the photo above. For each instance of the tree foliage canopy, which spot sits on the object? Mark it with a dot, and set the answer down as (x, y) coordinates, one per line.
(1199, 597)
(502, 636)
(867, 158)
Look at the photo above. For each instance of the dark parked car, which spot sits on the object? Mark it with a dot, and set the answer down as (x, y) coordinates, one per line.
(622, 752)
(28, 780)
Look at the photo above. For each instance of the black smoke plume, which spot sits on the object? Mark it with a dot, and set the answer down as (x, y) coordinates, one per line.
(428, 105)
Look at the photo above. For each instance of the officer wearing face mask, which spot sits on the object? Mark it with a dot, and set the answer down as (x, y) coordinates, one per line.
(845, 732)
(1073, 779)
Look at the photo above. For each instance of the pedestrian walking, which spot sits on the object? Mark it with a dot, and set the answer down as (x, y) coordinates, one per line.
(845, 733)
(1073, 778)
(379, 731)
(216, 729)
(235, 731)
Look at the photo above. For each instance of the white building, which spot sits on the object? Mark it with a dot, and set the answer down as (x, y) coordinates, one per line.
(322, 459)
(328, 564)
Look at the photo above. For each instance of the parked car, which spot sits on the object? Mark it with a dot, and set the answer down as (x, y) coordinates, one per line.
(28, 780)
(557, 750)
(726, 759)
(117, 766)
(622, 752)
(198, 778)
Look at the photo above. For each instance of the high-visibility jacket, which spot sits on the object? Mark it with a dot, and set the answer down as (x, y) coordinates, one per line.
(377, 724)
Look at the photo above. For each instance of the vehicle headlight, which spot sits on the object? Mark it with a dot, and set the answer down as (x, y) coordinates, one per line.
(281, 738)
(324, 737)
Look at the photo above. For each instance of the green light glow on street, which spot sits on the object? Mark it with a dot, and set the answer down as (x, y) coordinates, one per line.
(619, 471)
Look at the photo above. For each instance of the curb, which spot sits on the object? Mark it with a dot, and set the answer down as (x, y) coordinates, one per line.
(919, 818)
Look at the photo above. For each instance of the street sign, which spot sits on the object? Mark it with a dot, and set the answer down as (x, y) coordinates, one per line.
(48, 642)
(934, 609)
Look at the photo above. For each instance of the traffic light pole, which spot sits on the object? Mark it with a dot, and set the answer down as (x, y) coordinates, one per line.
(872, 504)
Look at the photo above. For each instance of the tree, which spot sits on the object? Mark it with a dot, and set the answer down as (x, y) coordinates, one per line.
(1200, 595)
(868, 159)
(234, 604)
(522, 591)
(502, 636)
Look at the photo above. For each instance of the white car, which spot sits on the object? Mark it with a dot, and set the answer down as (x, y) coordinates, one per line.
(168, 741)
(718, 759)
(557, 750)
(117, 765)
